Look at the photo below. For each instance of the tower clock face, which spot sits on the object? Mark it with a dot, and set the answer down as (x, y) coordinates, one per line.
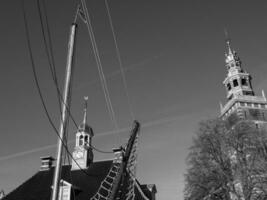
(78, 154)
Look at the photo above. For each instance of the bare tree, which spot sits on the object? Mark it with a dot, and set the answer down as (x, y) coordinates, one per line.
(227, 162)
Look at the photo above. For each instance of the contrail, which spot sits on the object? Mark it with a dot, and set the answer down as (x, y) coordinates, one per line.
(145, 125)
(27, 152)
(117, 72)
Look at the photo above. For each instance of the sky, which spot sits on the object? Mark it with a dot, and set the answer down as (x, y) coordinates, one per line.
(173, 56)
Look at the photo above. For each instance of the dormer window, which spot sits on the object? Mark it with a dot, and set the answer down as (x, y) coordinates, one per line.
(235, 82)
(66, 190)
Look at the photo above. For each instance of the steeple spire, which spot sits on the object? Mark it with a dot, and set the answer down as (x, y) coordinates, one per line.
(83, 152)
(228, 43)
(237, 81)
(84, 126)
(85, 110)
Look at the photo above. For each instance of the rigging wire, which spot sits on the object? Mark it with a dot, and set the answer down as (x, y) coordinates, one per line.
(52, 68)
(51, 62)
(38, 86)
(50, 54)
(99, 65)
(120, 61)
(49, 49)
(100, 151)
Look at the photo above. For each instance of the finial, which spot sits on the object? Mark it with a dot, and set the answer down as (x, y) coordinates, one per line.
(228, 40)
(85, 110)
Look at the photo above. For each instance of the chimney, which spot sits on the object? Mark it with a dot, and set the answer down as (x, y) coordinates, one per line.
(46, 163)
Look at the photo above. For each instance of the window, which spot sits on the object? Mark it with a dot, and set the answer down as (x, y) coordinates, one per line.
(86, 139)
(244, 82)
(242, 104)
(81, 140)
(235, 82)
(228, 86)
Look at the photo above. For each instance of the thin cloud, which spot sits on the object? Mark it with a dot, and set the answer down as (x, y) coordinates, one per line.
(127, 129)
(118, 72)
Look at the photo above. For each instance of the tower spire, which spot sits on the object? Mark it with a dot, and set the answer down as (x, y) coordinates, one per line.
(83, 152)
(84, 126)
(237, 81)
(228, 43)
(85, 110)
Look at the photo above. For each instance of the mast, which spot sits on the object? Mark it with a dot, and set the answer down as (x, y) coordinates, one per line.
(65, 108)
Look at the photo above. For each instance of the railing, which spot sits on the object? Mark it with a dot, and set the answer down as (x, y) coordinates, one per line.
(256, 99)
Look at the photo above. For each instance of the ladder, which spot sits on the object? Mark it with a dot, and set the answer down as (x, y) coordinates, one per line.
(106, 186)
(119, 184)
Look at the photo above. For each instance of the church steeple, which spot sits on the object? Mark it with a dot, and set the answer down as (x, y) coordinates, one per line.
(83, 153)
(238, 81)
(241, 100)
(84, 126)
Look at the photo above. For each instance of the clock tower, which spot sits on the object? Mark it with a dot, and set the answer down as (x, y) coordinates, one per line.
(242, 103)
(83, 153)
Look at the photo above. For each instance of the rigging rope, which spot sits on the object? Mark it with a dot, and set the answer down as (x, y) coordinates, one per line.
(38, 86)
(119, 60)
(51, 61)
(49, 49)
(138, 187)
(99, 65)
(101, 151)
(49, 53)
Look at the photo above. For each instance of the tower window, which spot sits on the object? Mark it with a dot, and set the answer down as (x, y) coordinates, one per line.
(81, 140)
(235, 83)
(86, 139)
(228, 86)
(244, 82)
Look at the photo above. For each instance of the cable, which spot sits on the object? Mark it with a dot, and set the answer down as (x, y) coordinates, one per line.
(99, 65)
(38, 86)
(119, 60)
(101, 151)
(51, 62)
(49, 49)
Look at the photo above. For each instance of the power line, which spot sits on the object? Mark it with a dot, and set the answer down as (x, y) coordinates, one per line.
(119, 60)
